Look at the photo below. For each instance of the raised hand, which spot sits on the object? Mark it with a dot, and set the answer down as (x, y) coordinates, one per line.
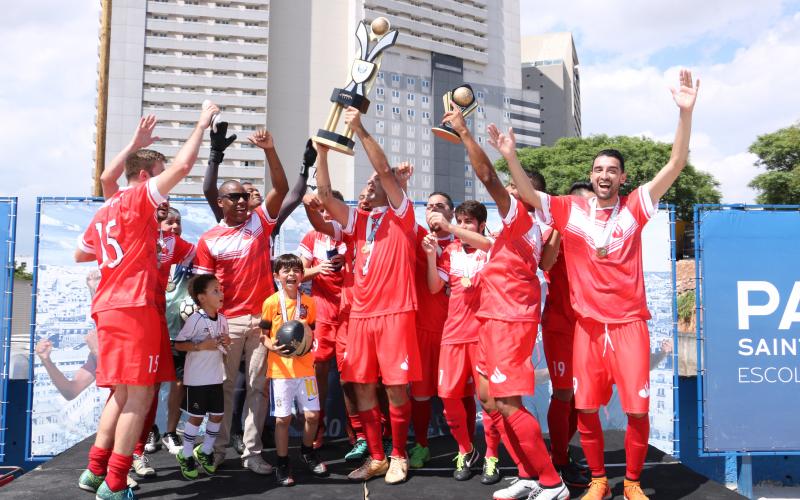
(438, 222)
(456, 120)
(686, 94)
(505, 144)
(262, 139)
(312, 202)
(404, 171)
(352, 118)
(143, 136)
(429, 244)
(310, 154)
(43, 349)
(218, 140)
(209, 110)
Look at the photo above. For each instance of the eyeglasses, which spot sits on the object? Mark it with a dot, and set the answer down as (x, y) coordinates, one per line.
(440, 206)
(235, 197)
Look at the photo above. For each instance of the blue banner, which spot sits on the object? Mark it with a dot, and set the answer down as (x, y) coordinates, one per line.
(749, 329)
(8, 227)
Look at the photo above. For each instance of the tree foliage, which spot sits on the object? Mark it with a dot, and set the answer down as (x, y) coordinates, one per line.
(569, 160)
(779, 153)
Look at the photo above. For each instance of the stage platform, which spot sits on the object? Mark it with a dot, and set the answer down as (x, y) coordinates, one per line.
(663, 477)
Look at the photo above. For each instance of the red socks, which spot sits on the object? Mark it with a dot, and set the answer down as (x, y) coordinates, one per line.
(558, 422)
(386, 424)
(370, 419)
(491, 434)
(524, 467)
(420, 418)
(636, 438)
(592, 442)
(147, 426)
(355, 424)
(401, 420)
(524, 432)
(118, 467)
(472, 409)
(456, 417)
(98, 460)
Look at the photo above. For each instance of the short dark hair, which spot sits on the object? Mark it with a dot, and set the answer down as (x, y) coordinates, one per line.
(474, 209)
(537, 179)
(144, 159)
(289, 261)
(445, 196)
(246, 183)
(199, 284)
(174, 212)
(612, 153)
(338, 195)
(581, 186)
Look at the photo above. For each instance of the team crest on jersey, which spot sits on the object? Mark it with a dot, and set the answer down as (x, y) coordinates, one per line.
(303, 311)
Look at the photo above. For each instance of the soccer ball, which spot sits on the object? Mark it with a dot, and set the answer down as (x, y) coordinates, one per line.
(187, 307)
(295, 337)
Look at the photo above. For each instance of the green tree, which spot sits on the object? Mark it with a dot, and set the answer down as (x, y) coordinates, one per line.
(570, 159)
(779, 153)
(20, 271)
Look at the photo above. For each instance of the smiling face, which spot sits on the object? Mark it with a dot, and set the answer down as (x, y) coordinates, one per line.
(255, 195)
(233, 200)
(363, 200)
(289, 277)
(172, 224)
(607, 176)
(376, 195)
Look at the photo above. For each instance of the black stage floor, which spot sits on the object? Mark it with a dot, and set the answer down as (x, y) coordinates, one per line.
(663, 478)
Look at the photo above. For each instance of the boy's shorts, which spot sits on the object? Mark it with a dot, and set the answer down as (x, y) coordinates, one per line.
(202, 399)
(285, 392)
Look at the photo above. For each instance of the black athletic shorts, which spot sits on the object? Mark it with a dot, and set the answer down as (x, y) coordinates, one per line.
(179, 360)
(202, 399)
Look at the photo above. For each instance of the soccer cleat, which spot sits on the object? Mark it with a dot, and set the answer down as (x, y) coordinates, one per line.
(187, 465)
(418, 455)
(491, 473)
(573, 475)
(257, 464)
(559, 492)
(359, 452)
(205, 461)
(283, 473)
(463, 463)
(314, 464)
(633, 491)
(172, 441)
(369, 469)
(152, 444)
(89, 481)
(141, 466)
(398, 470)
(518, 489)
(132, 484)
(104, 493)
(237, 442)
(598, 489)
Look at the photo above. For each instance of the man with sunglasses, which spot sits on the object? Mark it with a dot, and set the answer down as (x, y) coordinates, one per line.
(237, 251)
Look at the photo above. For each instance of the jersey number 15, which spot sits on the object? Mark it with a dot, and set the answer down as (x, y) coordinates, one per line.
(109, 240)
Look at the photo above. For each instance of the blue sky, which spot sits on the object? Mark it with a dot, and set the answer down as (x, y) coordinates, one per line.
(746, 53)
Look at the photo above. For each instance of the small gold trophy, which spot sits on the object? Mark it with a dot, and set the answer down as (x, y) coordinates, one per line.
(463, 97)
(363, 74)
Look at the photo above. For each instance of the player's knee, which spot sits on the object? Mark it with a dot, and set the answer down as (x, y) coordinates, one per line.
(283, 421)
(636, 415)
(397, 394)
(563, 394)
(215, 418)
(196, 421)
(312, 417)
(507, 406)
(421, 398)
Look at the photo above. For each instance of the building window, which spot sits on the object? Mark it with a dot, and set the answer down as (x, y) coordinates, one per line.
(395, 78)
(379, 91)
(395, 128)
(379, 126)
(411, 147)
(468, 183)
(411, 81)
(395, 110)
(479, 94)
(426, 115)
(395, 93)
(380, 141)
(411, 114)
(395, 146)
(411, 131)
(380, 75)
(425, 99)
(426, 84)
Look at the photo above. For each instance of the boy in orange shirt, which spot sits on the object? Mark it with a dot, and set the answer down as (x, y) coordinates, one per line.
(291, 374)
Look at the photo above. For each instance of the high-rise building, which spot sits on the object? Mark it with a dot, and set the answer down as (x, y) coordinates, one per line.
(276, 63)
(550, 65)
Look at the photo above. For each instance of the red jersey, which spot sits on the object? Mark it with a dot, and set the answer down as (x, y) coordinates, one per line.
(384, 260)
(123, 235)
(347, 270)
(510, 289)
(606, 289)
(431, 308)
(558, 314)
(326, 288)
(240, 257)
(174, 250)
(459, 268)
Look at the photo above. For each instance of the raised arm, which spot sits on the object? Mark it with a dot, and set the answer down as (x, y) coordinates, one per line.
(685, 97)
(471, 238)
(295, 196)
(337, 209)
(550, 251)
(280, 186)
(184, 161)
(394, 191)
(69, 389)
(219, 143)
(435, 282)
(480, 162)
(506, 145)
(318, 222)
(142, 137)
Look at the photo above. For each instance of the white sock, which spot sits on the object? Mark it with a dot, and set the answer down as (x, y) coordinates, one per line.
(212, 429)
(189, 435)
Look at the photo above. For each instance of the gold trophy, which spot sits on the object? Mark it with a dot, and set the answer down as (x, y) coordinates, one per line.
(463, 97)
(363, 74)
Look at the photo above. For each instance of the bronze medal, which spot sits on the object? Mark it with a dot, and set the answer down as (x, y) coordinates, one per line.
(171, 286)
(602, 253)
(466, 282)
(365, 248)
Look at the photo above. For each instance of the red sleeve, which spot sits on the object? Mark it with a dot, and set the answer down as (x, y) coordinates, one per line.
(184, 252)
(87, 242)
(204, 262)
(306, 248)
(517, 221)
(141, 200)
(556, 210)
(641, 205)
(405, 213)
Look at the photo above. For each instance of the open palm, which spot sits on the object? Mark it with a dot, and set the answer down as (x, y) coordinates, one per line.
(686, 95)
(505, 144)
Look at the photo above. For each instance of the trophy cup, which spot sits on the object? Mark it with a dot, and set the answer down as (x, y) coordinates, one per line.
(463, 97)
(363, 73)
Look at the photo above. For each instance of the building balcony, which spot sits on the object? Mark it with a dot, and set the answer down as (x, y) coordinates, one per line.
(183, 97)
(191, 116)
(188, 79)
(192, 45)
(201, 63)
(207, 29)
(204, 11)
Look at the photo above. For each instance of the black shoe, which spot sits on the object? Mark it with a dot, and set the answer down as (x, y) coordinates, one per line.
(153, 444)
(283, 473)
(463, 463)
(314, 464)
(491, 472)
(237, 443)
(573, 475)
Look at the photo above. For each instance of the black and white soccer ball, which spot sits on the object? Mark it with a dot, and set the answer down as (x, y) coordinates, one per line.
(187, 307)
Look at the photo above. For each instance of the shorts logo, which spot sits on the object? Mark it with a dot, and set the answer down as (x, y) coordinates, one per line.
(404, 365)
(645, 392)
(575, 385)
(278, 402)
(497, 376)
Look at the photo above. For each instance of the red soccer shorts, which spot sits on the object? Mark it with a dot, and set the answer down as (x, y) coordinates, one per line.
(609, 354)
(508, 347)
(133, 348)
(325, 341)
(558, 353)
(429, 343)
(458, 370)
(382, 347)
(341, 340)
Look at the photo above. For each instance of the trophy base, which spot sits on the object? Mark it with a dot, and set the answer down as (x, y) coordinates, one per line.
(335, 141)
(447, 134)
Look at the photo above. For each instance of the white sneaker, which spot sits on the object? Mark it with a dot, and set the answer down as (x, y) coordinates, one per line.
(257, 464)
(519, 489)
(141, 465)
(558, 493)
(172, 442)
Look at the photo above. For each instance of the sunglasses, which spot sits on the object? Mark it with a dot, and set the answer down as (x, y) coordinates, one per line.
(235, 197)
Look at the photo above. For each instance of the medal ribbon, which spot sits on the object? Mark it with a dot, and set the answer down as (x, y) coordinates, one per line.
(372, 229)
(601, 238)
(282, 297)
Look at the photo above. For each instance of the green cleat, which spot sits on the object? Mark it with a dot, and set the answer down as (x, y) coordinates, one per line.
(187, 465)
(359, 452)
(89, 482)
(205, 461)
(104, 493)
(418, 455)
